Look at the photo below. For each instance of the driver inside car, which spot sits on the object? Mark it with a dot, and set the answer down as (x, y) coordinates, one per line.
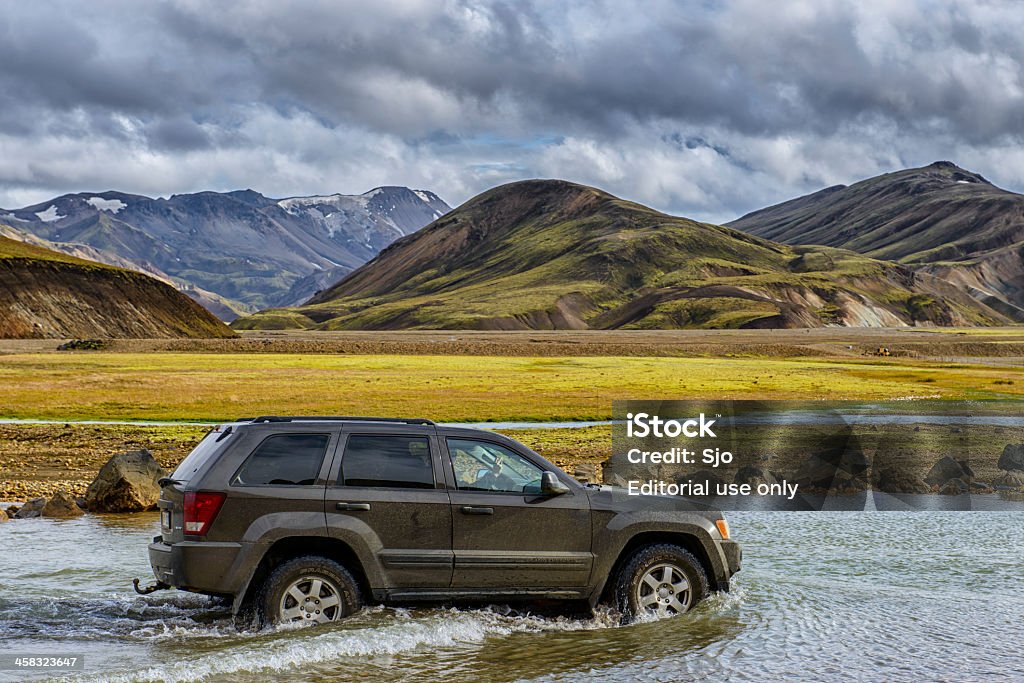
(494, 479)
(481, 471)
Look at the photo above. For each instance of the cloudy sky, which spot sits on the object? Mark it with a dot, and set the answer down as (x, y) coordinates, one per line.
(706, 109)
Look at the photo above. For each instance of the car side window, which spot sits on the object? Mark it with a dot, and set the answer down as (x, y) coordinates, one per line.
(387, 460)
(284, 460)
(486, 466)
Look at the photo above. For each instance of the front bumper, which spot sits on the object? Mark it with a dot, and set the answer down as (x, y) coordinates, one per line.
(199, 566)
(733, 554)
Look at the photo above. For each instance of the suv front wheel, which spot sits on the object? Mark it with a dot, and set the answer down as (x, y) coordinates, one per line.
(309, 589)
(660, 581)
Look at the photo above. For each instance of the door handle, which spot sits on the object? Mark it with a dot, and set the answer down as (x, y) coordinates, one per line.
(474, 510)
(353, 507)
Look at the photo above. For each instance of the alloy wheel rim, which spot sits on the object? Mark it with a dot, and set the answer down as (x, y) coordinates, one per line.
(310, 599)
(663, 590)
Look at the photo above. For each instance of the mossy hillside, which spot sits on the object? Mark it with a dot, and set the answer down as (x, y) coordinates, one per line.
(540, 288)
(15, 249)
(937, 212)
(940, 219)
(275, 319)
(720, 313)
(542, 254)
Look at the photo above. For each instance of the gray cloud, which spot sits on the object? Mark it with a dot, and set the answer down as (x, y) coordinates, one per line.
(703, 108)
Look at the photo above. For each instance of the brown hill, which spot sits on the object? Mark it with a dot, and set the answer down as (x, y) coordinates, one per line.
(940, 219)
(47, 294)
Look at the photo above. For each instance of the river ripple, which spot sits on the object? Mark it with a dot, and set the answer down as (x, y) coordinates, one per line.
(888, 596)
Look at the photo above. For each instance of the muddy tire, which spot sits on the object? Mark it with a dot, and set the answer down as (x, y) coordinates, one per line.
(659, 580)
(308, 589)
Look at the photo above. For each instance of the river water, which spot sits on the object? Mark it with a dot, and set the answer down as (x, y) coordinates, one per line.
(895, 596)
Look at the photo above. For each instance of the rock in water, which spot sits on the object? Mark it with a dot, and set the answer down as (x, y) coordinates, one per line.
(127, 483)
(1012, 457)
(30, 509)
(62, 504)
(4, 517)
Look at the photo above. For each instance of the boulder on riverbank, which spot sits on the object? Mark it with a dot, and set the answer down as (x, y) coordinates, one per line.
(61, 505)
(1012, 480)
(898, 480)
(1012, 458)
(32, 508)
(948, 468)
(126, 483)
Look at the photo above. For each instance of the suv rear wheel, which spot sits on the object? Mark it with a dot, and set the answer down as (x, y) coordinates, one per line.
(661, 581)
(309, 589)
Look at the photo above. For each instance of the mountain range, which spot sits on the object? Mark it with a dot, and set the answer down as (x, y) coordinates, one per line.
(940, 220)
(937, 245)
(550, 254)
(49, 294)
(234, 252)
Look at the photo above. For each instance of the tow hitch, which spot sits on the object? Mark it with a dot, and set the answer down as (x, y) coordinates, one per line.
(158, 586)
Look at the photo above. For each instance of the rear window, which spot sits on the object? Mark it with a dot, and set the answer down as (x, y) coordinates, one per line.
(388, 461)
(284, 460)
(199, 455)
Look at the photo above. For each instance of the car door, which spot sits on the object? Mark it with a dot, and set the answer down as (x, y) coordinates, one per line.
(506, 535)
(277, 489)
(388, 496)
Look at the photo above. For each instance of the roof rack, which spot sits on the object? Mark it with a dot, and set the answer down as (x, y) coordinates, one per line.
(334, 418)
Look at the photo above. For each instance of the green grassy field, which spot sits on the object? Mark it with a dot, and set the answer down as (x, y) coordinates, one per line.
(204, 386)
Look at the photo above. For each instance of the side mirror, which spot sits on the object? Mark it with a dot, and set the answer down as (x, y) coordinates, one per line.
(551, 485)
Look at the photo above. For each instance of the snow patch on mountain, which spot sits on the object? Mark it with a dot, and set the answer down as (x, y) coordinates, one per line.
(101, 204)
(49, 215)
(338, 201)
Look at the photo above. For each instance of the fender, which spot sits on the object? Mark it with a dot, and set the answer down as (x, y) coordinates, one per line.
(611, 540)
(266, 531)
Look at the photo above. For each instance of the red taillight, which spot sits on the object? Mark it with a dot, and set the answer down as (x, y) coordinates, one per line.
(200, 509)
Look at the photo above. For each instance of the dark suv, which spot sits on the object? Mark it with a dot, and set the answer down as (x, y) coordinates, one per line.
(308, 518)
